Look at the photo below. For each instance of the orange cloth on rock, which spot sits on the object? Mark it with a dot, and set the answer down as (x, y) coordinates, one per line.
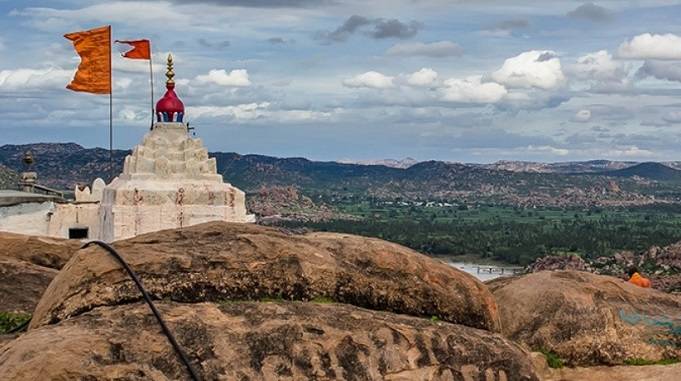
(640, 281)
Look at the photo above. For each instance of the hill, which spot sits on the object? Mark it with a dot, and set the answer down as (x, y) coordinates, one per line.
(649, 170)
(8, 178)
(64, 165)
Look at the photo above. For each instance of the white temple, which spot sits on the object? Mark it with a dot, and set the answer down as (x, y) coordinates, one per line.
(167, 182)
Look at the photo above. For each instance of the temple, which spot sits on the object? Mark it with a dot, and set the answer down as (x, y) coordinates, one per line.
(167, 182)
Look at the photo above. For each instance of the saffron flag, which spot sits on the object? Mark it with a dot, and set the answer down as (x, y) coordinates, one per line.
(94, 71)
(141, 49)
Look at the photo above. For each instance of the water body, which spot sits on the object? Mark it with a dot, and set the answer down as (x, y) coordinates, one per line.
(483, 275)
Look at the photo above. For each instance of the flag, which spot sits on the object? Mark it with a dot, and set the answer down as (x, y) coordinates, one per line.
(94, 71)
(141, 49)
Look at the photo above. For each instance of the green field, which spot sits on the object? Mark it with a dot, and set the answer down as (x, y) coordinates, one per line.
(508, 234)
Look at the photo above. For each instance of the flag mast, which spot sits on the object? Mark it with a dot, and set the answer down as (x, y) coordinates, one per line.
(151, 80)
(110, 110)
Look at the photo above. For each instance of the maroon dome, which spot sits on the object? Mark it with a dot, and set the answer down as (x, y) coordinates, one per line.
(170, 102)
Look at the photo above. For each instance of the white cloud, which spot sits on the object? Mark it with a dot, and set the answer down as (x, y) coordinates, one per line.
(434, 49)
(599, 66)
(423, 77)
(548, 149)
(235, 78)
(536, 68)
(249, 112)
(652, 46)
(25, 79)
(660, 70)
(371, 79)
(472, 90)
(582, 116)
(672, 117)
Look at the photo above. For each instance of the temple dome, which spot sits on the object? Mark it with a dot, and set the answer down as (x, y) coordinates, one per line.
(170, 108)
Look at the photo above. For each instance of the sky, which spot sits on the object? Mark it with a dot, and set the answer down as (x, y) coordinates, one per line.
(455, 80)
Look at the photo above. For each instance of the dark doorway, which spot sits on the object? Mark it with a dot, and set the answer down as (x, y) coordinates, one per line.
(78, 233)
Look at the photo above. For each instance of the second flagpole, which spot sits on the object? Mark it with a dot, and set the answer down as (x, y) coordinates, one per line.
(110, 109)
(151, 79)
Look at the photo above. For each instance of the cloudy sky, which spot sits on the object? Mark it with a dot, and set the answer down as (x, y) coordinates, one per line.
(472, 81)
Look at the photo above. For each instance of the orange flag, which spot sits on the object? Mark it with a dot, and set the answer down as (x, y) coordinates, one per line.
(94, 72)
(141, 49)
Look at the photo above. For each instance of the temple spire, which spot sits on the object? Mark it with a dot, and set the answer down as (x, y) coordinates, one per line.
(170, 108)
(170, 74)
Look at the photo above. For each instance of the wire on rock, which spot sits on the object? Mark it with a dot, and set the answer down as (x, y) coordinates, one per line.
(147, 298)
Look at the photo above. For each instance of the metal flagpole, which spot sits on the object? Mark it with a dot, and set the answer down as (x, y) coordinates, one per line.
(151, 77)
(110, 110)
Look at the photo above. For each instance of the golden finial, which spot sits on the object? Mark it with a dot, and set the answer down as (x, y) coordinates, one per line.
(170, 74)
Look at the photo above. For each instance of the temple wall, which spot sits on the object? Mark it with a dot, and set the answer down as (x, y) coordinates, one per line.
(50, 219)
(26, 218)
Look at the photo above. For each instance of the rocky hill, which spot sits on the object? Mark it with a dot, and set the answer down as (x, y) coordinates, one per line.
(64, 165)
(8, 178)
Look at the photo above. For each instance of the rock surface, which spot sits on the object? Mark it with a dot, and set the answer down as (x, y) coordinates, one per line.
(589, 319)
(599, 373)
(223, 261)
(27, 266)
(41, 251)
(262, 341)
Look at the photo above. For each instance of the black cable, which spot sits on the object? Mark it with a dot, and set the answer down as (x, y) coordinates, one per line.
(147, 298)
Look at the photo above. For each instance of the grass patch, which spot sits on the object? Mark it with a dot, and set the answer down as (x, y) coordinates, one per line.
(552, 359)
(276, 299)
(642, 362)
(11, 320)
(434, 318)
(322, 300)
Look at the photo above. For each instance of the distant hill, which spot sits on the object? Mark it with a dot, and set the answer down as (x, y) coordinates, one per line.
(650, 170)
(8, 178)
(590, 166)
(64, 165)
(404, 163)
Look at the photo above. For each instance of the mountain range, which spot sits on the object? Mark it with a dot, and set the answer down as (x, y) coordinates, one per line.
(598, 182)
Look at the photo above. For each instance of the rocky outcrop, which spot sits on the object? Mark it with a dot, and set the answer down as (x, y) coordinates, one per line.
(41, 251)
(222, 261)
(262, 341)
(559, 262)
(27, 266)
(599, 373)
(22, 284)
(589, 319)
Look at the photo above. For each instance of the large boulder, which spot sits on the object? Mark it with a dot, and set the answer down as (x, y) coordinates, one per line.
(22, 284)
(261, 341)
(41, 251)
(589, 319)
(223, 261)
(27, 266)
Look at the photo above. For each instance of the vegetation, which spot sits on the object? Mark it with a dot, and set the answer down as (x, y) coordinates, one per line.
(508, 234)
(12, 320)
(641, 362)
(552, 359)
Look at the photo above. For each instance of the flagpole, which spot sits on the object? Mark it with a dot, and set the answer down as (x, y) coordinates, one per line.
(151, 78)
(110, 110)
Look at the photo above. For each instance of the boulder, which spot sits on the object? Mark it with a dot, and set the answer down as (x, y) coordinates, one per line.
(27, 266)
(589, 319)
(261, 341)
(41, 251)
(559, 262)
(228, 261)
(22, 284)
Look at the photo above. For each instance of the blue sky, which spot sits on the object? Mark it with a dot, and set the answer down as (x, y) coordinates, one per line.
(471, 81)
